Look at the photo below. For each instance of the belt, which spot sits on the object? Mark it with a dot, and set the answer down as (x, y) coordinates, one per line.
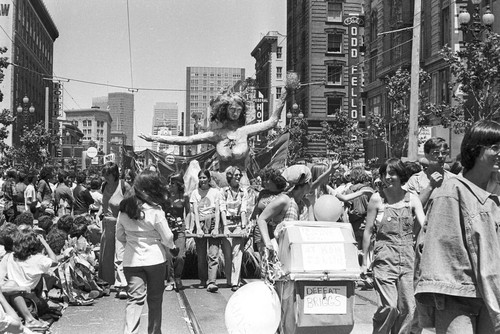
(234, 218)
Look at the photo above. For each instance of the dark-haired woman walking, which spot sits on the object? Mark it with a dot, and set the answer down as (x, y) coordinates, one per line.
(143, 230)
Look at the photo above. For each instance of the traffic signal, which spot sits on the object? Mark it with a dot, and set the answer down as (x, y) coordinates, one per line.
(58, 152)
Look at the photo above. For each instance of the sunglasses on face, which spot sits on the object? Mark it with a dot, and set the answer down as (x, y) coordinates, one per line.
(440, 153)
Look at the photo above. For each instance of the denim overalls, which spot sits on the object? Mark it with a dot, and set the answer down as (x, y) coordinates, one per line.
(394, 256)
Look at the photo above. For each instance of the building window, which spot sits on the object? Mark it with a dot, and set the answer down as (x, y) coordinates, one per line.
(445, 26)
(279, 52)
(279, 72)
(334, 12)
(334, 105)
(373, 66)
(374, 26)
(335, 42)
(334, 74)
(278, 92)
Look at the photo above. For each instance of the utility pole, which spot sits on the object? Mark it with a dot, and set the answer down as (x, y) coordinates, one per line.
(414, 88)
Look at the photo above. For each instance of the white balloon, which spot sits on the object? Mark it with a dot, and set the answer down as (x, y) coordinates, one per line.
(327, 208)
(254, 309)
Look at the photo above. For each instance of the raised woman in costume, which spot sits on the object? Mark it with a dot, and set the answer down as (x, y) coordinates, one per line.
(228, 132)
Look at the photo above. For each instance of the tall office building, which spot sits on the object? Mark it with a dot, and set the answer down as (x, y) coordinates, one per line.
(165, 122)
(121, 109)
(28, 33)
(325, 47)
(203, 83)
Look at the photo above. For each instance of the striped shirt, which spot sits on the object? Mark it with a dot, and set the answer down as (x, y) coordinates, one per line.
(233, 203)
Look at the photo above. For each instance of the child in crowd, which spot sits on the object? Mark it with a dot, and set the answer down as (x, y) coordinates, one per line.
(25, 266)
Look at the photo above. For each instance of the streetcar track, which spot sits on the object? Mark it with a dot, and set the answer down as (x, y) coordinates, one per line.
(192, 323)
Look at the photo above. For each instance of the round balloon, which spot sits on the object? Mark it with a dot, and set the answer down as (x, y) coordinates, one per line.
(254, 309)
(327, 208)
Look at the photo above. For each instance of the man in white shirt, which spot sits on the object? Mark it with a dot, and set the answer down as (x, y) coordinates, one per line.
(431, 177)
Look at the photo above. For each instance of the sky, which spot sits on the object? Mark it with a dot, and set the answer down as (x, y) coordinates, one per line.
(166, 36)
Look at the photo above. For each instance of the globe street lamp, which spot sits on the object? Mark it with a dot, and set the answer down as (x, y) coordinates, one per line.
(478, 25)
(474, 28)
(295, 112)
(25, 109)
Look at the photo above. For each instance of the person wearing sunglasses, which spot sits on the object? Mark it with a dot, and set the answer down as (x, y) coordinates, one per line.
(436, 151)
(233, 208)
(457, 275)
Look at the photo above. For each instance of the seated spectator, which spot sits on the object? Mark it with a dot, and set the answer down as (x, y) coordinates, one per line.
(25, 266)
(24, 221)
(56, 239)
(9, 320)
(45, 223)
(65, 223)
(7, 234)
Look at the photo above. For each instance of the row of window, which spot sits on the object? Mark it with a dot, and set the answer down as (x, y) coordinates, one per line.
(212, 83)
(235, 76)
(32, 31)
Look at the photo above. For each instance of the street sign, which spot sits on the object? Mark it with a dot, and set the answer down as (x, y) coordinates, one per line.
(92, 152)
(170, 159)
(109, 158)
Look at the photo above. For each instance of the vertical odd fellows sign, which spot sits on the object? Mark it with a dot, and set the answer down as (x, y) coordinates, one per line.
(57, 89)
(353, 23)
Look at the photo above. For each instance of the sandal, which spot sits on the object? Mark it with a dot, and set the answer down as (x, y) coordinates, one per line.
(81, 302)
(37, 326)
(169, 287)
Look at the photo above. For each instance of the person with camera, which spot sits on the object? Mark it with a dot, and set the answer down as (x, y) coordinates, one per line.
(177, 212)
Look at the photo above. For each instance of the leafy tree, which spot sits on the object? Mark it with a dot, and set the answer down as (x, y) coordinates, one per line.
(35, 142)
(297, 148)
(392, 128)
(343, 137)
(475, 82)
(476, 72)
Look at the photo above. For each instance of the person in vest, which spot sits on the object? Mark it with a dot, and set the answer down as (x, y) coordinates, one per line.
(233, 207)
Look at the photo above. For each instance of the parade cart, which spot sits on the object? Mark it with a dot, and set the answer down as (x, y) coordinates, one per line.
(320, 266)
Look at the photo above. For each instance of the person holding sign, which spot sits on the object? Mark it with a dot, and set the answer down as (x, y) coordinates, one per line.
(390, 213)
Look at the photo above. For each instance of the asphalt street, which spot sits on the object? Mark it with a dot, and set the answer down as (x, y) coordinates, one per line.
(106, 316)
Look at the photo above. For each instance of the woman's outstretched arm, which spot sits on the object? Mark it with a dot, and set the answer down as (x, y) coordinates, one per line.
(200, 138)
(271, 122)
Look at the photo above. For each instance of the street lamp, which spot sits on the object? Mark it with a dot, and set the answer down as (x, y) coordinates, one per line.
(295, 112)
(477, 26)
(473, 31)
(25, 109)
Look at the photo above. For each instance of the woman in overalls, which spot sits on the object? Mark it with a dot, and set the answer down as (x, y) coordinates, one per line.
(391, 216)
